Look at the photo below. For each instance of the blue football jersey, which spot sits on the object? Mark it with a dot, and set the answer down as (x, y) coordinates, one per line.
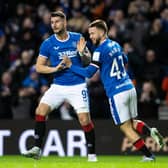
(111, 61)
(54, 50)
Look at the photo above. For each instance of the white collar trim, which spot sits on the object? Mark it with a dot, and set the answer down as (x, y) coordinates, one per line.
(63, 40)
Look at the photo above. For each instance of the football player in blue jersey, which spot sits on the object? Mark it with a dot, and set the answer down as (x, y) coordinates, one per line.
(109, 58)
(66, 84)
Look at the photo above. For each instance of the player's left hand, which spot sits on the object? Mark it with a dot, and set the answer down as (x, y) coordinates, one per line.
(67, 61)
(61, 66)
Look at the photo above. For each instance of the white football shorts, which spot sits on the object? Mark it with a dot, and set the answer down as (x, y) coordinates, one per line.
(76, 95)
(123, 106)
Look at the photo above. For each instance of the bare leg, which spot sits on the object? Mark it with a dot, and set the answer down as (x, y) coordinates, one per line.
(127, 129)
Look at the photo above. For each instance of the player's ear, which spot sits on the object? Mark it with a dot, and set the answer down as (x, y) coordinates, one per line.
(65, 23)
(101, 33)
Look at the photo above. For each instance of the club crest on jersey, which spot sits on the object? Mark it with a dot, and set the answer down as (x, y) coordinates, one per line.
(74, 44)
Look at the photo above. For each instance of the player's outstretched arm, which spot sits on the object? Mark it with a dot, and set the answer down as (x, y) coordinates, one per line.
(42, 67)
(88, 71)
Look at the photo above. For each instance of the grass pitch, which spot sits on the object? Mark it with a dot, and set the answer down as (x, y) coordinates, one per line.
(81, 162)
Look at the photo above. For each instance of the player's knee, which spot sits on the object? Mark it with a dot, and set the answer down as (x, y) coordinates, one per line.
(126, 126)
(84, 120)
(41, 111)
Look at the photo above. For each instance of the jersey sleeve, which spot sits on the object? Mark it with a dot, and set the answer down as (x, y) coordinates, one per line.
(88, 71)
(44, 49)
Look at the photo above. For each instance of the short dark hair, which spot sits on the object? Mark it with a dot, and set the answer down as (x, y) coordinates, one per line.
(58, 14)
(100, 24)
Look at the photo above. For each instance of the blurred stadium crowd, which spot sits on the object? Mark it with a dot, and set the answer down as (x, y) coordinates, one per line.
(140, 26)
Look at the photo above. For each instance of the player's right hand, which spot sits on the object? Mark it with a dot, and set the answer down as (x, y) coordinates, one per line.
(81, 45)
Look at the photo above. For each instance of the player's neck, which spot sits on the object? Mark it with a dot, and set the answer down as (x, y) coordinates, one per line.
(62, 36)
(103, 39)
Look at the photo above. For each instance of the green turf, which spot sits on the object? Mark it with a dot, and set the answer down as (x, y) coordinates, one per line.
(81, 162)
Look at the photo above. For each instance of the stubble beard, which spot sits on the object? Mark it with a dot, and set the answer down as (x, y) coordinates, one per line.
(97, 41)
(60, 32)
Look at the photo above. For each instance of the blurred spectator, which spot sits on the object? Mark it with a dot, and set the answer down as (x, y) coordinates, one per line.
(20, 9)
(134, 60)
(13, 51)
(148, 101)
(44, 28)
(78, 22)
(151, 70)
(28, 38)
(96, 8)
(32, 87)
(41, 10)
(6, 96)
(165, 87)
(137, 6)
(3, 11)
(155, 9)
(164, 20)
(138, 24)
(120, 22)
(2, 39)
(34, 82)
(20, 69)
(64, 4)
(4, 59)
(113, 32)
(157, 40)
